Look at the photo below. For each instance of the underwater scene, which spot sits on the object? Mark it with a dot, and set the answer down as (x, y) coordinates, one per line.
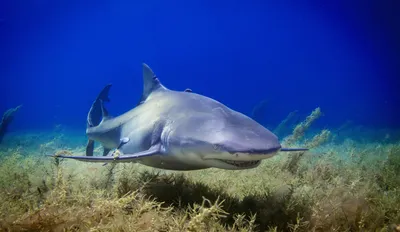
(199, 115)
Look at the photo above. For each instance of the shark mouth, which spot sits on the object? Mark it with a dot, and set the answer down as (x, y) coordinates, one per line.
(242, 164)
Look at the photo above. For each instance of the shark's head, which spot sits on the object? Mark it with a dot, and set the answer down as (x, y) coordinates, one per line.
(225, 139)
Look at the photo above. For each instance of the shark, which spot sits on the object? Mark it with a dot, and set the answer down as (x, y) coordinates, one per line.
(177, 130)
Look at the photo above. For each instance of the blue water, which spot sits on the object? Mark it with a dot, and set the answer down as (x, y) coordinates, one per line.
(341, 56)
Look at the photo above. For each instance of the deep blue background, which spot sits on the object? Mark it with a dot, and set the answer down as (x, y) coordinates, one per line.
(340, 55)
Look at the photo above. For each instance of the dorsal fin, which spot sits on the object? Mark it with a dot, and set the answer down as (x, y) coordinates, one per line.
(150, 82)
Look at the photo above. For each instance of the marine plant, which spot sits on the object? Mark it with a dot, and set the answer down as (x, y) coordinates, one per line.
(346, 186)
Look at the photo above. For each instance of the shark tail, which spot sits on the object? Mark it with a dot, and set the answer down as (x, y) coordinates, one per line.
(96, 115)
(97, 111)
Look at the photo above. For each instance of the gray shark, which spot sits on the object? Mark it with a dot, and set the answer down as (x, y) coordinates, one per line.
(177, 130)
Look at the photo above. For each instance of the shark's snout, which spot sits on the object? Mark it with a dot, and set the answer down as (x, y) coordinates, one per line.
(245, 145)
(257, 149)
(250, 141)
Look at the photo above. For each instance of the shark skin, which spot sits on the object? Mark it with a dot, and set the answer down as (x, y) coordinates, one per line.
(179, 130)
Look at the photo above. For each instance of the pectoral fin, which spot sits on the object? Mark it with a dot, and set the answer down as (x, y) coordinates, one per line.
(294, 149)
(117, 158)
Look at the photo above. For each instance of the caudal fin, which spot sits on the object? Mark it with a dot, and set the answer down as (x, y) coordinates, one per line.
(90, 148)
(97, 111)
(96, 114)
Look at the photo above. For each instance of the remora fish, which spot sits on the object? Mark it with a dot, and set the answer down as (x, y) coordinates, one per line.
(177, 130)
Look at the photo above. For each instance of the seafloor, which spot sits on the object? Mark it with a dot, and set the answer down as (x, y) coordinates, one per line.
(341, 184)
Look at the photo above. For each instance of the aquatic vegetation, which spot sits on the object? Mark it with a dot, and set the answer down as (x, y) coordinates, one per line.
(319, 139)
(300, 129)
(347, 186)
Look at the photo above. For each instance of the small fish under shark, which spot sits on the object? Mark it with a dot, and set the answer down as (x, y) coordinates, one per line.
(177, 130)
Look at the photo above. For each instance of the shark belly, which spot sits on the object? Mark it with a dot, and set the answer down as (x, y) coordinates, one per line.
(175, 159)
(170, 162)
